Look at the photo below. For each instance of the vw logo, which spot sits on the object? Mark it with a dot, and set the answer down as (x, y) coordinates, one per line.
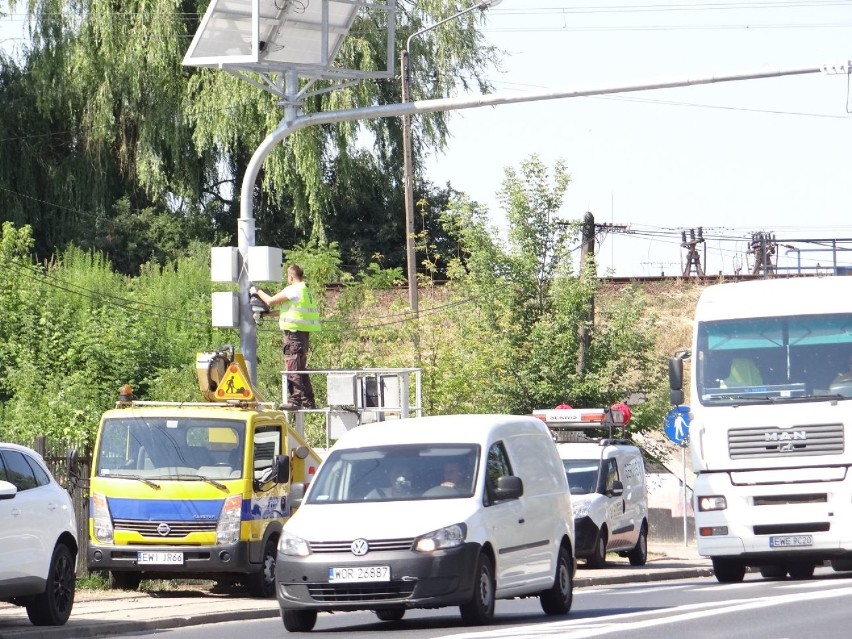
(163, 529)
(359, 547)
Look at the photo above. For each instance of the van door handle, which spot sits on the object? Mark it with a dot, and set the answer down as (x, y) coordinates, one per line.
(521, 520)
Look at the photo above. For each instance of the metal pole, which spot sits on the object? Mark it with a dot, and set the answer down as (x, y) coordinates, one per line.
(408, 179)
(248, 335)
(683, 472)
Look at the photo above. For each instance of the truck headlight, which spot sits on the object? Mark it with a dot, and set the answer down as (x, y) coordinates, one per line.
(712, 502)
(228, 526)
(447, 537)
(293, 546)
(101, 520)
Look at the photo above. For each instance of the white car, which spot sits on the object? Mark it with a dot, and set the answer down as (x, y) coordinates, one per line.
(38, 538)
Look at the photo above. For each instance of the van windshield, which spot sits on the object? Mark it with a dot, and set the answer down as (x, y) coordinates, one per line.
(582, 475)
(396, 473)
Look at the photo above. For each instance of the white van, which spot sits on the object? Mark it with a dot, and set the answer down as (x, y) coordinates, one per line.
(608, 493)
(430, 512)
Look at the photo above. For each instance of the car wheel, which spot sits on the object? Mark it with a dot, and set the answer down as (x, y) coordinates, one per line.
(638, 556)
(728, 571)
(390, 614)
(773, 572)
(598, 557)
(53, 606)
(299, 620)
(558, 600)
(480, 609)
(124, 580)
(262, 583)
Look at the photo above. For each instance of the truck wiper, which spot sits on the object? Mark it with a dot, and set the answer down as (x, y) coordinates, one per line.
(188, 477)
(145, 481)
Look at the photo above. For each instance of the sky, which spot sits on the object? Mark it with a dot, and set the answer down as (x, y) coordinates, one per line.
(768, 155)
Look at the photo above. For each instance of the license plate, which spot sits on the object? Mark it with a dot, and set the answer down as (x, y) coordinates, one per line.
(784, 541)
(159, 558)
(359, 573)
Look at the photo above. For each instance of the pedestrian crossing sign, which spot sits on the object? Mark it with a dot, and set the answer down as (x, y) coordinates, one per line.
(234, 385)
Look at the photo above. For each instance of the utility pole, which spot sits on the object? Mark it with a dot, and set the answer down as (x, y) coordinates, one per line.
(692, 257)
(587, 262)
(763, 246)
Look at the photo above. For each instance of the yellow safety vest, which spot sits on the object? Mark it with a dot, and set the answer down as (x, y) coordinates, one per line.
(302, 315)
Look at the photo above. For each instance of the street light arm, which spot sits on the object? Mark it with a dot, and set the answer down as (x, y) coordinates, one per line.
(482, 6)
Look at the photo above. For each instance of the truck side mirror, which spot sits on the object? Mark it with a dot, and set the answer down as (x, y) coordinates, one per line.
(278, 473)
(508, 487)
(617, 488)
(676, 395)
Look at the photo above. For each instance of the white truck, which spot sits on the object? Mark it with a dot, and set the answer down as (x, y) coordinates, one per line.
(770, 411)
(606, 476)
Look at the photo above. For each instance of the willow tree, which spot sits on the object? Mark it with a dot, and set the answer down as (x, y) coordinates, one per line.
(105, 113)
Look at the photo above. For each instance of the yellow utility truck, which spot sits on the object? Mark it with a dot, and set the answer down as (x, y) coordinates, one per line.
(195, 490)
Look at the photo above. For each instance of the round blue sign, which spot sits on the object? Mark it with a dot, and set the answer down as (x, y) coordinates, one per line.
(677, 424)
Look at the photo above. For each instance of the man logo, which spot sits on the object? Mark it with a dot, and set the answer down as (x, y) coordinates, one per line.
(359, 547)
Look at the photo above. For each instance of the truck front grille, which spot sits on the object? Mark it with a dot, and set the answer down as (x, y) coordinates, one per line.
(164, 529)
(771, 441)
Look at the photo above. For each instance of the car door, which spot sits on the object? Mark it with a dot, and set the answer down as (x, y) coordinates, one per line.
(505, 521)
(25, 519)
(616, 509)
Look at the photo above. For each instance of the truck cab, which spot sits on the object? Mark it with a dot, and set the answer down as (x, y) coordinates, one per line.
(194, 490)
(606, 476)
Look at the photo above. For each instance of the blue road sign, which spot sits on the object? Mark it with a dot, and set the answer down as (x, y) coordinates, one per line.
(677, 424)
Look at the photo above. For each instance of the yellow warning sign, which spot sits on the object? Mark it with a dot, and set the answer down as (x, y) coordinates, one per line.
(234, 385)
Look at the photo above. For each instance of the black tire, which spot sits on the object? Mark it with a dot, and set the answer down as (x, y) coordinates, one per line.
(558, 600)
(261, 584)
(598, 557)
(480, 609)
(390, 614)
(124, 580)
(53, 606)
(841, 565)
(773, 572)
(299, 620)
(728, 571)
(638, 556)
(801, 569)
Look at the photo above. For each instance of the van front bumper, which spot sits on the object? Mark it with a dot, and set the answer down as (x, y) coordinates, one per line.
(197, 560)
(417, 580)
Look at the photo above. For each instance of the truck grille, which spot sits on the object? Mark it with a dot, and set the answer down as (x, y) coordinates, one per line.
(376, 545)
(360, 592)
(771, 441)
(158, 528)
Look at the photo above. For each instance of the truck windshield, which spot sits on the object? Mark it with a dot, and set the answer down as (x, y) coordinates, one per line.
(396, 473)
(582, 475)
(774, 359)
(167, 448)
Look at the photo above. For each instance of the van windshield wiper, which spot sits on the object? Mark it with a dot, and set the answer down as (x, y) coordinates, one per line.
(145, 481)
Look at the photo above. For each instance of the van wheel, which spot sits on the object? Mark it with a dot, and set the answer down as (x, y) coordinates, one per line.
(124, 580)
(299, 620)
(480, 609)
(728, 571)
(53, 606)
(639, 554)
(261, 584)
(598, 557)
(773, 572)
(801, 569)
(390, 614)
(558, 600)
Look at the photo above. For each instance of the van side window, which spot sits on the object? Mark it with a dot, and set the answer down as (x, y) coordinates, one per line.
(267, 444)
(497, 466)
(610, 474)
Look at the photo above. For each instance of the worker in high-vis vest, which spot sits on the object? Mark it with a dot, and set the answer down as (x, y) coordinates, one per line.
(298, 317)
